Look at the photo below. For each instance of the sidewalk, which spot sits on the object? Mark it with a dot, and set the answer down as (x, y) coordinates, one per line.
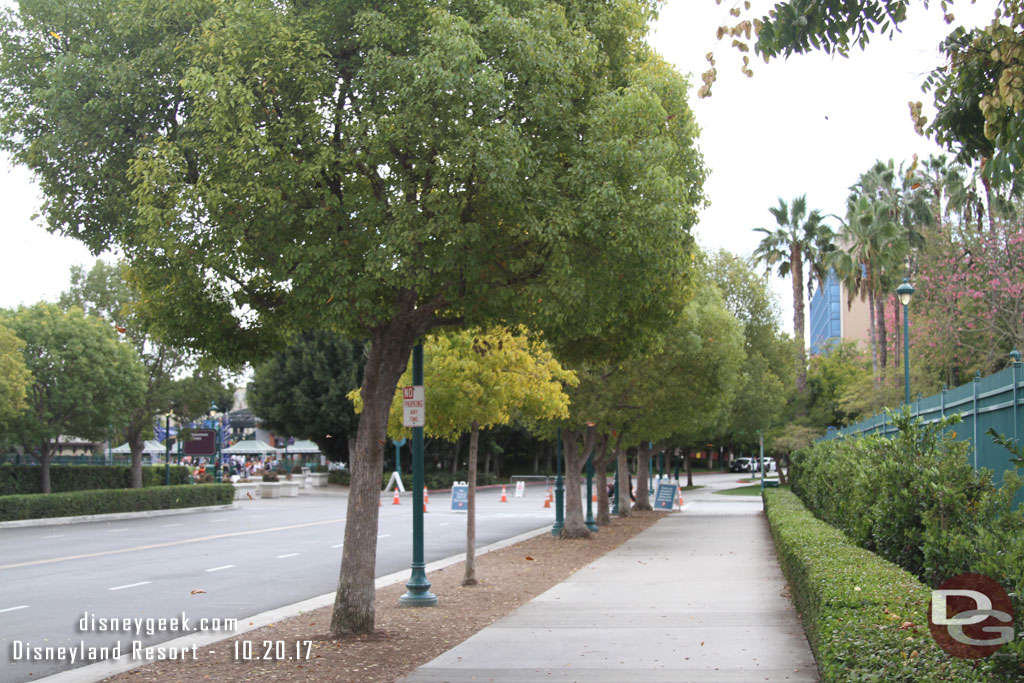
(697, 597)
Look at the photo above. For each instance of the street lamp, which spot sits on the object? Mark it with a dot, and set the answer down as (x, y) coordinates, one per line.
(167, 447)
(218, 475)
(906, 293)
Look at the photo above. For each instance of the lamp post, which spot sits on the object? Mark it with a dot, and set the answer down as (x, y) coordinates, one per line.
(217, 475)
(167, 447)
(556, 529)
(906, 292)
(589, 521)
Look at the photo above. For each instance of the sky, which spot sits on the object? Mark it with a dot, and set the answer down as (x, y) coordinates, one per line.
(809, 125)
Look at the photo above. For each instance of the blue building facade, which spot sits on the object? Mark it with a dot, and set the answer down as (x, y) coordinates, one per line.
(825, 315)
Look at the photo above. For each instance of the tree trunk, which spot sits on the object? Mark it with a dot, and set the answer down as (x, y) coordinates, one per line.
(469, 578)
(883, 349)
(536, 462)
(796, 270)
(688, 463)
(643, 496)
(622, 476)
(897, 333)
(388, 355)
(783, 466)
(601, 456)
(574, 462)
(874, 336)
(136, 443)
(44, 458)
(487, 463)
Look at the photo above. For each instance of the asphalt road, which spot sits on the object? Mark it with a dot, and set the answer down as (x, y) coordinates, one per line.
(219, 565)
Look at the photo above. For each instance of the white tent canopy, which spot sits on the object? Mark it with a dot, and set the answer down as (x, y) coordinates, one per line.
(304, 447)
(151, 446)
(251, 447)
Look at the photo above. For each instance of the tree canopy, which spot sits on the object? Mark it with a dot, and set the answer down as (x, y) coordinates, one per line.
(302, 391)
(85, 381)
(15, 377)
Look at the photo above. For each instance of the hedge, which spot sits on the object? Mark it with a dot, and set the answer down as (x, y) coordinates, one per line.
(27, 479)
(866, 619)
(74, 503)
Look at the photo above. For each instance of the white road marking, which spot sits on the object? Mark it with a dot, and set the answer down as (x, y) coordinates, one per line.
(383, 535)
(219, 519)
(337, 546)
(217, 569)
(114, 531)
(55, 536)
(168, 526)
(11, 609)
(130, 585)
(445, 523)
(288, 555)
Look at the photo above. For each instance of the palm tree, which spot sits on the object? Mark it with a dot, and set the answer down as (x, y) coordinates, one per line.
(798, 242)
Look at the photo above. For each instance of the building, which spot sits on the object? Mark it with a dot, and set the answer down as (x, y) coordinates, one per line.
(831, 319)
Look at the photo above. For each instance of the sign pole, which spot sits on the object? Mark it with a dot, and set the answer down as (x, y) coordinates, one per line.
(418, 594)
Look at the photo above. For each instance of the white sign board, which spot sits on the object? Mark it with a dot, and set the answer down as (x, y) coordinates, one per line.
(413, 406)
(520, 489)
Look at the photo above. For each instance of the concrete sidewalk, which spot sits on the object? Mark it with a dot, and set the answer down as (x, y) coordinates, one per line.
(699, 596)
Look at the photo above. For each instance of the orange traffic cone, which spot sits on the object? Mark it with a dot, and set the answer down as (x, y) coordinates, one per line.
(424, 506)
(593, 498)
(547, 499)
(680, 498)
(396, 501)
(426, 497)
(504, 496)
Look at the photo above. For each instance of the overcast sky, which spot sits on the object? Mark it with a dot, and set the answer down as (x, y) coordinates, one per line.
(809, 125)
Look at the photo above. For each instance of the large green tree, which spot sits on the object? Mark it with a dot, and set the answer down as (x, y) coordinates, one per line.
(105, 291)
(373, 169)
(796, 248)
(302, 391)
(85, 381)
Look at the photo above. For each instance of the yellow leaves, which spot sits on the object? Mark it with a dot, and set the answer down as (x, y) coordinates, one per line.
(55, 35)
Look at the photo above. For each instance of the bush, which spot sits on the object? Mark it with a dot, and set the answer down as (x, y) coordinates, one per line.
(341, 477)
(102, 501)
(270, 476)
(866, 619)
(27, 479)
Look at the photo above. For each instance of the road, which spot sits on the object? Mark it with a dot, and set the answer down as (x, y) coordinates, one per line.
(218, 565)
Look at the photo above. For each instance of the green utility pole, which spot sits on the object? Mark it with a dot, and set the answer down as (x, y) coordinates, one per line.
(167, 445)
(418, 594)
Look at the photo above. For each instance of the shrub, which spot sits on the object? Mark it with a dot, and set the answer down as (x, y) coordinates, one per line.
(865, 618)
(270, 476)
(102, 501)
(341, 477)
(27, 479)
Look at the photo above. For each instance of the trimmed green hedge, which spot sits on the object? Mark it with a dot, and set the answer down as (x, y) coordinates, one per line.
(856, 606)
(74, 503)
(26, 479)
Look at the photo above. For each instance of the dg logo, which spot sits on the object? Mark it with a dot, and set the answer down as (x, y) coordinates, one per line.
(971, 616)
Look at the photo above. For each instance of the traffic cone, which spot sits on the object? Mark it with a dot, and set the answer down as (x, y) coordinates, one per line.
(396, 501)
(547, 499)
(504, 496)
(424, 506)
(426, 497)
(593, 498)
(680, 498)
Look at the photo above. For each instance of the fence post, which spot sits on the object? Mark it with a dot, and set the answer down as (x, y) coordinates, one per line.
(1015, 355)
(942, 401)
(974, 416)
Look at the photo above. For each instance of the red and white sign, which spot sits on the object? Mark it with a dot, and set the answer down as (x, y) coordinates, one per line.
(413, 406)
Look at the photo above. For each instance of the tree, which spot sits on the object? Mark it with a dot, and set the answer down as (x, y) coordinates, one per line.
(376, 171)
(479, 379)
(105, 292)
(798, 243)
(302, 391)
(15, 377)
(767, 368)
(86, 382)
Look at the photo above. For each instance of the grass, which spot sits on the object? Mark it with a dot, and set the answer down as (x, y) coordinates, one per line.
(752, 490)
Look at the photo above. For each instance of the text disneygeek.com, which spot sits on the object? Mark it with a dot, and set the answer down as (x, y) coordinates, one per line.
(24, 651)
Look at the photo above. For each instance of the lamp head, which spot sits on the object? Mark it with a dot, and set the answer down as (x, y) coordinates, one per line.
(905, 292)
(213, 409)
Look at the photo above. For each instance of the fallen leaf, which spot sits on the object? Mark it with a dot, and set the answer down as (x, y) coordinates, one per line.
(530, 558)
(197, 590)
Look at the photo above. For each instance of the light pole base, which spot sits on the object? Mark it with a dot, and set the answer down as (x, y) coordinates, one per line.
(418, 594)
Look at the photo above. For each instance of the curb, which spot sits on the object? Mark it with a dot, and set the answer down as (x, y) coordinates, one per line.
(111, 516)
(110, 667)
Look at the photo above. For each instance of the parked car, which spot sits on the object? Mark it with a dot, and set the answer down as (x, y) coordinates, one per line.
(741, 465)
